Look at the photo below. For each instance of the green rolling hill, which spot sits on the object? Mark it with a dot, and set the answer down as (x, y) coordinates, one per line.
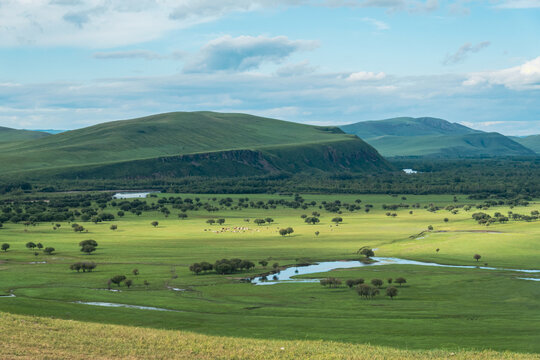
(190, 143)
(532, 142)
(432, 137)
(13, 135)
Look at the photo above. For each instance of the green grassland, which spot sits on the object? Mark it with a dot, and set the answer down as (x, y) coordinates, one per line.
(186, 142)
(66, 339)
(453, 309)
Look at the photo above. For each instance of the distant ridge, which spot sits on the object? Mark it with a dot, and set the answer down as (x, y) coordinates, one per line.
(191, 144)
(13, 135)
(532, 142)
(433, 137)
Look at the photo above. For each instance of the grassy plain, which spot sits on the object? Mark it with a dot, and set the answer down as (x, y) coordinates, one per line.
(439, 308)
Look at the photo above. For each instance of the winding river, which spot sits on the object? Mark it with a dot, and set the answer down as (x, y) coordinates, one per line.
(286, 276)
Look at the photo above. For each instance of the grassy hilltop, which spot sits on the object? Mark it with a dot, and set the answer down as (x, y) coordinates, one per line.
(197, 143)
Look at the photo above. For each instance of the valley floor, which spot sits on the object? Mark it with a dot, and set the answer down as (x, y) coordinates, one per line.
(458, 310)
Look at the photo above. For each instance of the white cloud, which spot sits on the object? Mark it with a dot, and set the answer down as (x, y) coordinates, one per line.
(412, 6)
(521, 77)
(519, 4)
(298, 69)
(379, 25)
(131, 54)
(464, 51)
(243, 53)
(366, 76)
(109, 23)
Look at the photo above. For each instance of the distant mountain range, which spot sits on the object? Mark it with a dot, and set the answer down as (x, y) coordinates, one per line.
(432, 137)
(187, 144)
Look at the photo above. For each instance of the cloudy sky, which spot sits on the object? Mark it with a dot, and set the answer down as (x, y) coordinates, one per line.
(66, 64)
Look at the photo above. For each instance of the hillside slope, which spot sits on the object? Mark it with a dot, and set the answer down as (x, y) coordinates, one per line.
(532, 142)
(432, 137)
(12, 135)
(194, 143)
(66, 339)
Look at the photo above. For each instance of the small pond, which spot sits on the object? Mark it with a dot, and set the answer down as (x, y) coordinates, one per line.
(116, 305)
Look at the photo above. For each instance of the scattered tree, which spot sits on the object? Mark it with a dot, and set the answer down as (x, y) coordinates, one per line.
(30, 245)
(128, 283)
(113, 227)
(118, 279)
(155, 223)
(337, 220)
(49, 250)
(391, 291)
(135, 272)
(377, 282)
(5, 247)
(263, 263)
(400, 281)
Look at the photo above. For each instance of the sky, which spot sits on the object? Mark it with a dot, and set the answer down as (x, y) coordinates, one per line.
(67, 64)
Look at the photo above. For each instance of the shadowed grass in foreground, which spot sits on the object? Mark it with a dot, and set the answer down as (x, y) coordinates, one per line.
(26, 337)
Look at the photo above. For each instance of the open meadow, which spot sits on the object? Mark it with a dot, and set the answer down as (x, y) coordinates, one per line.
(449, 308)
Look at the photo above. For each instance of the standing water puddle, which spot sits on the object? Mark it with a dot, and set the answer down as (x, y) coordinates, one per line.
(115, 305)
(286, 276)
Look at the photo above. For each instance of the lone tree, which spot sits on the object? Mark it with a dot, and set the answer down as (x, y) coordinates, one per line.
(210, 221)
(275, 266)
(337, 220)
(118, 279)
(477, 257)
(377, 282)
(30, 245)
(135, 272)
(283, 232)
(155, 223)
(263, 263)
(49, 250)
(366, 251)
(259, 221)
(147, 284)
(128, 283)
(39, 245)
(400, 281)
(269, 220)
(391, 291)
(114, 227)
(290, 230)
(5, 247)
(221, 221)
(317, 233)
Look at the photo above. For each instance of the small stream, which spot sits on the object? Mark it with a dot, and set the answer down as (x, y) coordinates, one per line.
(286, 276)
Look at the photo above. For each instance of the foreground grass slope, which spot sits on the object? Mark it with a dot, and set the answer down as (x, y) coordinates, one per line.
(433, 137)
(189, 139)
(26, 337)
